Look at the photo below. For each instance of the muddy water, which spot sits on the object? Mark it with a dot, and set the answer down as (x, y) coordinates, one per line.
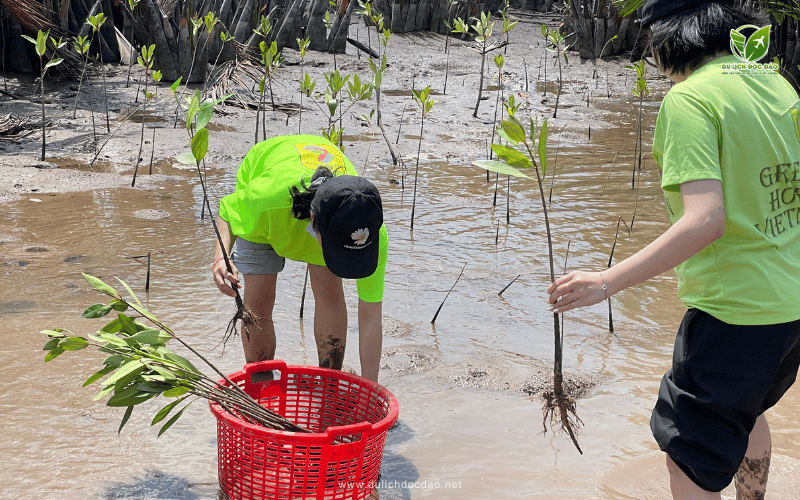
(453, 442)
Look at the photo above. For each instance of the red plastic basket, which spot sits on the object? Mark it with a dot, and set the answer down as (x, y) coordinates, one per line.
(348, 415)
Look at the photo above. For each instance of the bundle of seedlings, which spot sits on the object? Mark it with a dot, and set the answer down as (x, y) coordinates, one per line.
(140, 366)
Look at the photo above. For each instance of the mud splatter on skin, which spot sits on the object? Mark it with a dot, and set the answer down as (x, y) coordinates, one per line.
(331, 354)
(751, 478)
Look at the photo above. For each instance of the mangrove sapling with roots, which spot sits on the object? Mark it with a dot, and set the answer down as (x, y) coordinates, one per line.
(198, 114)
(141, 366)
(425, 102)
(559, 405)
(40, 45)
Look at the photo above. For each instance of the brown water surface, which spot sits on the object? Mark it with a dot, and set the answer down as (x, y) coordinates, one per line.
(453, 442)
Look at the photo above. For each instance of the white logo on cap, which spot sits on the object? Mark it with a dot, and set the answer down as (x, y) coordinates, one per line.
(360, 236)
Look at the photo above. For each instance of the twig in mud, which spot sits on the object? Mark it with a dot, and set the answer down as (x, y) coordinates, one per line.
(303, 297)
(506, 287)
(610, 258)
(609, 174)
(448, 294)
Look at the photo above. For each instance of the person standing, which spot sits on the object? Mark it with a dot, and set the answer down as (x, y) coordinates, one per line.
(727, 144)
(299, 197)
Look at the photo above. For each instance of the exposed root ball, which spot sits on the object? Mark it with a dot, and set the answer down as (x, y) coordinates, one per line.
(561, 408)
(248, 319)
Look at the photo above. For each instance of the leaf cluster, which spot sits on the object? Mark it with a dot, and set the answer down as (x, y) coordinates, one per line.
(521, 152)
(139, 366)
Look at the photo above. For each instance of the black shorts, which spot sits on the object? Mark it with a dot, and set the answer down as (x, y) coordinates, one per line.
(722, 378)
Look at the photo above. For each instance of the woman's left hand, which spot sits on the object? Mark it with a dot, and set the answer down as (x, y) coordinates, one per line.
(577, 289)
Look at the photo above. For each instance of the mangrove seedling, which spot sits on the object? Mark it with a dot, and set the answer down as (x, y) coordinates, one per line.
(140, 366)
(446, 42)
(96, 22)
(271, 58)
(41, 47)
(81, 45)
(484, 28)
(640, 90)
(305, 83)
(132, 4)
(145, 60)
(425, 103)
(379, 70)
(555, 43)
(558, 404)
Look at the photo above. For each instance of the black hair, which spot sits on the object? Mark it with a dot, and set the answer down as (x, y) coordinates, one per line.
(682, 41)
(301, 198)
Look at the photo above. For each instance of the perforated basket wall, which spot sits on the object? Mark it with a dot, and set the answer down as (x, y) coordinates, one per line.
(348, 415)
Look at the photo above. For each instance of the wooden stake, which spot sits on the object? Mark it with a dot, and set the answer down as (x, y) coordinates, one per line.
(147, 281)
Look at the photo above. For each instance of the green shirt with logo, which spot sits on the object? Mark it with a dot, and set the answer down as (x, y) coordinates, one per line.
(260, 208)
(744, 130)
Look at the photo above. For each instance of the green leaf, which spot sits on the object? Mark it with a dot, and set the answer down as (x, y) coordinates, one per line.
(51, 344)
(204, 114)
(545, 31)
(57, 333)
(103, 393)
(96, 311)
(119, 305)
(127, 325)
(200, 145)
(543, 147)
(74, 343)
(172, 420)
(176, 392)
(163, 412)
(111, 338)
(185, 158)
(499, 167)
(154, 387)
(194, 107)
(53, 354)
(152, 336)
(513, 131)
(98, 285)
(129, 396)
(511, 156)
(99, 374)
(54, 62)
(41, 42)
(176, 84)
(125, 418)
(115, 360)
(180, 360)
(131, 367)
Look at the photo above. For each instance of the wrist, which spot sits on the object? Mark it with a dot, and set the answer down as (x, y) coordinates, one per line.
(214, 264)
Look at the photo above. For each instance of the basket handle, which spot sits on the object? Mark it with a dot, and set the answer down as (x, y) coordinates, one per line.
(279, 365)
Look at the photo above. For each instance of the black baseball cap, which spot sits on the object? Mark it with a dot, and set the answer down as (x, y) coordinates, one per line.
(349, 214)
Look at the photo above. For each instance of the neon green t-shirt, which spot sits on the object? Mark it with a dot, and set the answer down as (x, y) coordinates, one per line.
(260, 208)
(743, 130)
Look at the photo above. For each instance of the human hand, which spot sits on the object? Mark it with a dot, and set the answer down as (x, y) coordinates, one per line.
(220, 273)
(577, 289)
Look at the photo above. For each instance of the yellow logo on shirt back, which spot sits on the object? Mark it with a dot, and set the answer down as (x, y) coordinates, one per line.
(321, 155)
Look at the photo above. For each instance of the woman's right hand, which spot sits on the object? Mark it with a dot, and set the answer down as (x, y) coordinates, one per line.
(221, 274)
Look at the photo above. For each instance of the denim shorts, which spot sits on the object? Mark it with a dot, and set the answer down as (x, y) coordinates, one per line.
(256, 258)
(722, 378)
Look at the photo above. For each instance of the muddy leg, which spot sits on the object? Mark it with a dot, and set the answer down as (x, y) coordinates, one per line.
(330, 317)
(258, 338)
(751, 478)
